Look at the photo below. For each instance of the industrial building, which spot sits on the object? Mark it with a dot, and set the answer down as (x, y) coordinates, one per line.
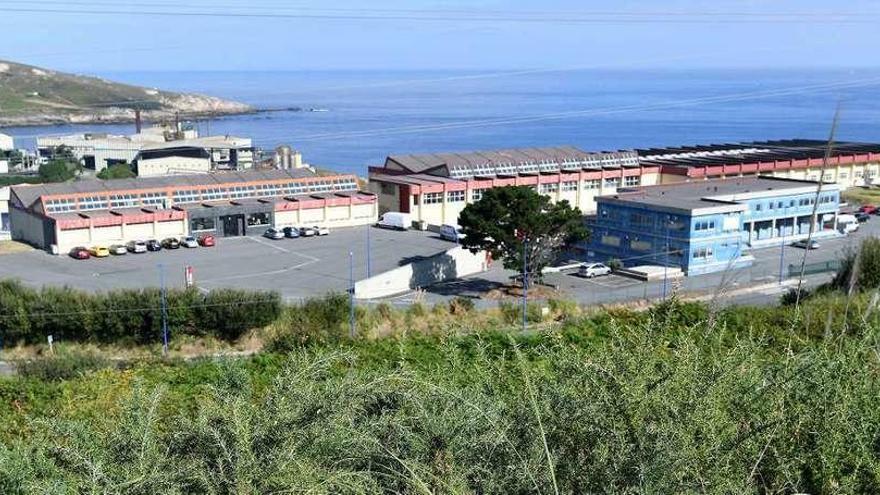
(711, 225)
(58, 217)
(436, 187)
(190, 156)
(96, 151)
(6, 142)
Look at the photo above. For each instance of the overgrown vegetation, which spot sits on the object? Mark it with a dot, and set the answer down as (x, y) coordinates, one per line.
(117, 171)
(30, 315)
(676, 399)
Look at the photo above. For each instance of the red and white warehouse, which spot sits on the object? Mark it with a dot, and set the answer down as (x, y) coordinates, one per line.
(58, 217)
(435, 187)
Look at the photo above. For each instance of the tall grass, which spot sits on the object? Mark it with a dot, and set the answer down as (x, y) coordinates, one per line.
(655, 402)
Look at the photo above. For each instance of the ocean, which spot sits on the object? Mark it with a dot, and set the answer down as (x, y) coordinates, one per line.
(366, 115)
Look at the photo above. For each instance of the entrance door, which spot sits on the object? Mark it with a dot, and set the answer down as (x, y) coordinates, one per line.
(233, 225)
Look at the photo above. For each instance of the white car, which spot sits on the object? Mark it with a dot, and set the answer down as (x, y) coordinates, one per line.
(118, 249)
(591, 270)
(321, 230)
(273, 234)
(189, 242)
(137, 247)
(307, 231)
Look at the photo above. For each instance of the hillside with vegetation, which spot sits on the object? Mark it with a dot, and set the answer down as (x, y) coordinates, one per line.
(35, 96)
(679, 398)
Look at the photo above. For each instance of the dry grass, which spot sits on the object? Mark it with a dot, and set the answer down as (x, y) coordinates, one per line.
(10, 247)
(862, 195)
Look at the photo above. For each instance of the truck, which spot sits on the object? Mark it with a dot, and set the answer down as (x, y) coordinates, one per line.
(394, 220)
(847, 223)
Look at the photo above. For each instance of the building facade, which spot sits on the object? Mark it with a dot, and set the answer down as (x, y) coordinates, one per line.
(436, 187)
(708, 226)
(95, 151)
(58, 217)
(189, 156)
(6, 142)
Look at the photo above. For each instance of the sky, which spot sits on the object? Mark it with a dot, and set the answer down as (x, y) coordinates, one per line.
(124, 35)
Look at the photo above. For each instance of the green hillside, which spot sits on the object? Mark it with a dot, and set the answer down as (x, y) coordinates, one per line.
(34, 95)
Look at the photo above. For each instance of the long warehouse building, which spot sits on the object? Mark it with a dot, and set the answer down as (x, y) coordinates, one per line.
(58, 217)
(435, 187)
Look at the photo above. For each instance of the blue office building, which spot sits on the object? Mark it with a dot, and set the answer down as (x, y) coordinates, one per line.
(711, 225)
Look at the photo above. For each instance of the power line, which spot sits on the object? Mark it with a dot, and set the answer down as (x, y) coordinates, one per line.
(477, 16)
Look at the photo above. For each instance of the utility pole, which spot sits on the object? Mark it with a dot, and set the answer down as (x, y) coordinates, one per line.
(164, 310)
(351, 294)
(368, 249)
(782, 253)
(666, 261)
(525, 301)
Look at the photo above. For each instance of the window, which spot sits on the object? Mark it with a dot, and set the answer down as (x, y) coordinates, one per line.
(257, 219)
(675, 223)
(859, 174)
(549, 188)
(641, 220)
(611, 240)
(476, 194)
(759, 207)
(201, 224)
(591, 184)
(569, 186)
(704, 225)
(844, 175)
(612, 182)
(632, 180)
(455, 196)
(828, 177)
(702, 253)
(872, 173)
(434, 198)
(637, 245)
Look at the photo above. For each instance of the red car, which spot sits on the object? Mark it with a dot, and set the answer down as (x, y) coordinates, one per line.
(206, 241)
(869, 209)
(80, 253)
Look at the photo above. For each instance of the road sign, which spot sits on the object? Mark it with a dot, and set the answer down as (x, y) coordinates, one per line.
(188, 275)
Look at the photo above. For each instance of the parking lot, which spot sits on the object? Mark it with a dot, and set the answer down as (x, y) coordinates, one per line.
(297, 268)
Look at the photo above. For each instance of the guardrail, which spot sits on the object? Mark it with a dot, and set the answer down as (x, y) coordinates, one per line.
(813, 268)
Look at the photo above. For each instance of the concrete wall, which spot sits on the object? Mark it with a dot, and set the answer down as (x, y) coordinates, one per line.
(30, 228)
(454, 263)
(118, 234)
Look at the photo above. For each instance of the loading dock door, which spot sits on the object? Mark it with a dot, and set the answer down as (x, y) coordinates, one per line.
(233, 225)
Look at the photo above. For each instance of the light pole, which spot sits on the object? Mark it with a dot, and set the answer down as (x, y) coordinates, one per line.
(164, 310)
(782, 254)
(525, 301)
(666, 260)
(351, 294)
(368, 249)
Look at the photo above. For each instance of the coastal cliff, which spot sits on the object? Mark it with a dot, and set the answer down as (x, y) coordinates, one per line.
(35, 96)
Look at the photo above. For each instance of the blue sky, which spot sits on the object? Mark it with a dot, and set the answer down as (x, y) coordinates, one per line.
(802, 33)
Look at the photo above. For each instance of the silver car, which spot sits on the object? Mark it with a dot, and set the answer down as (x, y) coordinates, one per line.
(591, 270)
(273, 234)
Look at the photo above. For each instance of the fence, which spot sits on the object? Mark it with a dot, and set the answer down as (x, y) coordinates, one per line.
(813, 268)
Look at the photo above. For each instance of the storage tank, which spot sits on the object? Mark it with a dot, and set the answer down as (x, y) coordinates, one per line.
(283, 157)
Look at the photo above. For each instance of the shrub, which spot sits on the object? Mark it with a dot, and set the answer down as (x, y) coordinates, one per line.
(860, 267)
(315, 321)
(460, 305)
(63, 366)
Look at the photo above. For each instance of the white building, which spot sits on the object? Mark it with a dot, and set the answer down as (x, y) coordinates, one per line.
(97, 151)
(201, 155)
(4, 213)
(6, 143)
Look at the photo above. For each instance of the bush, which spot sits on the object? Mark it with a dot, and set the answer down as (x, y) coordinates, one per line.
(64, 366)
(316, 321)
(460, 305)
(860, 267)
(129, 315)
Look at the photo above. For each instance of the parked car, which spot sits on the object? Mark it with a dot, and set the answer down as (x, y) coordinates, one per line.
(591, 270)
(307, 231)
(207, 240)
(189, 242)
(451, 233)
(394, 220)
(869, 209)
(80, 253)
(136, 247)
(847, 224)
(153, 245)
(273, 234)
(862, 217)
(803, 244)
(321, 230)
(99, 251)
(170, 243)
(290, 232)
(118, 249)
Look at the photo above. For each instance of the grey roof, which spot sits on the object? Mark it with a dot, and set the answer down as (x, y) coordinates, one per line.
(750, 152)
(721, 194)
(30, 193)
(463, 164)
(202, 142)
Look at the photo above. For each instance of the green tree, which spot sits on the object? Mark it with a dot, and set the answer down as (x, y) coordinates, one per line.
(56, 171)
(507, 217)
(859, 268)
(118, 171)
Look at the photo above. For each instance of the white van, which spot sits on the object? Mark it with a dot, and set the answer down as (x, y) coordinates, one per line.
(847, 223)
(394, 220)
(451, 233)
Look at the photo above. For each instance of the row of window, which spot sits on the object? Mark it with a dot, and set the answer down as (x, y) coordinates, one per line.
(510, 168)
(810, 201)
(546, 188)
(133, 200)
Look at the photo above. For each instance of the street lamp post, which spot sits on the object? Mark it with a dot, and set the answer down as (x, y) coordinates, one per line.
(164, 310)
(525, 301)
(782, 254)
(351, 294)
(368, 249)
